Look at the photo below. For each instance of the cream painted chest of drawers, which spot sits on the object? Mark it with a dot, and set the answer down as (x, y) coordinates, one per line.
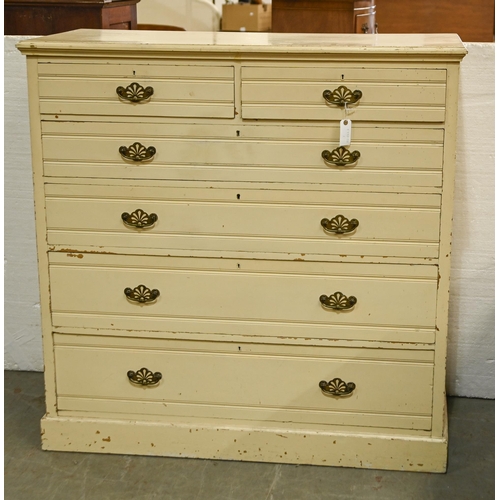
(219, 277)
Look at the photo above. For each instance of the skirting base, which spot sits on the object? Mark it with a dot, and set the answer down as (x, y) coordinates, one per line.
(245, 442)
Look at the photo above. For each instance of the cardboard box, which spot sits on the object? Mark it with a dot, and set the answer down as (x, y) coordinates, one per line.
(246, 17)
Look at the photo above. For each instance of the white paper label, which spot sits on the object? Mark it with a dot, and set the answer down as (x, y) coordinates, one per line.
(345, 132)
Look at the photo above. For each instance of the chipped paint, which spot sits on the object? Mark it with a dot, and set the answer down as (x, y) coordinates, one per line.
(79, 255)
(72, 251)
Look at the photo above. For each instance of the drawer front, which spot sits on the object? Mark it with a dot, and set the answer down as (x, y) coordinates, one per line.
(91, 288)
(387, 94)
(261, 386)
(330, 224)
(387, 155)
(178, 91)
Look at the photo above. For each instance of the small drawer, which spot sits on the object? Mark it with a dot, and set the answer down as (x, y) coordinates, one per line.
(244, 220)
(369, 387)
(265, 153)
(147, 90)
(320, 93)
(151, 293)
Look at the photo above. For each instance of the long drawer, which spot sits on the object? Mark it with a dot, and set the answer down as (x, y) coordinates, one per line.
(387, 94)
(165, 90)
(112, 291)
(387, 155)
(264, 220)
(275, 383)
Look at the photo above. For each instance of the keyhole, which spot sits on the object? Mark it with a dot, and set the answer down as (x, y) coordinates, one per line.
(238, 266)
(133, 72)
(342, 77)
(237, 196)
(237, 133)
(239, 348)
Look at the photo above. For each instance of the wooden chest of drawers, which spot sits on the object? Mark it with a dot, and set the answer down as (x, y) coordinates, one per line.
(219, 277)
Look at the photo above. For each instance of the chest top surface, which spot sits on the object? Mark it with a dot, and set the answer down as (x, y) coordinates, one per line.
(154, 42)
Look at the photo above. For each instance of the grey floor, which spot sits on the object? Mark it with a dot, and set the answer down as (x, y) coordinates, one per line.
(34, 474)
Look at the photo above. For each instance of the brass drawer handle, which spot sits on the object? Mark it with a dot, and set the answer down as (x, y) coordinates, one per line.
(144, 377)
(135, 92)
(340, 156)
(339, 225)
(337, 387)
(137, 152)
(141, 294)
(139, 219)
(338, 301)
(342, 96)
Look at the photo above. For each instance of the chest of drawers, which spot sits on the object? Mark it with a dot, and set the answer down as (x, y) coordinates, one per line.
(219, 277)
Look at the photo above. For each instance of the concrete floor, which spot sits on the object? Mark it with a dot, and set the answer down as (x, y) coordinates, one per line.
(34, 474)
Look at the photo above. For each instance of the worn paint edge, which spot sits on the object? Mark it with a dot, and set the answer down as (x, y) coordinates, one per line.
(245, 441)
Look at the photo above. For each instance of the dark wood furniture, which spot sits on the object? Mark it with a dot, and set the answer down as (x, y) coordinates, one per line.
(473, 20)
(323, 16)
(44, 17)
(159, 27)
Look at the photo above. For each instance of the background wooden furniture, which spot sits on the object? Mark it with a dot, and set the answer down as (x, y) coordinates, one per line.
(323, 16)
(473, 20)
(44, 17)
(159, 27)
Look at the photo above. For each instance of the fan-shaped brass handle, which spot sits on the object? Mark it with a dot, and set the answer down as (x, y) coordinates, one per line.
(135, 92)
(141, 294)
(137, 152)
(338, 301)
(337, 387)
(144, 377)
(339, 225)
(139, 219)
(342, 96)
(340, 157)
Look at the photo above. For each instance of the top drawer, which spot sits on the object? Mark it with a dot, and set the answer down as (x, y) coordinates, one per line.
(387, 94)
(177, 90)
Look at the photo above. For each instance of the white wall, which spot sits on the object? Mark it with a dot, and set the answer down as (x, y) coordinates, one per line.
(471, 348)
(471, 345)
(23, 342)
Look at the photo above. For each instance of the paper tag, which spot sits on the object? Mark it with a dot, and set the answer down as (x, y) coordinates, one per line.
(345, 132)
